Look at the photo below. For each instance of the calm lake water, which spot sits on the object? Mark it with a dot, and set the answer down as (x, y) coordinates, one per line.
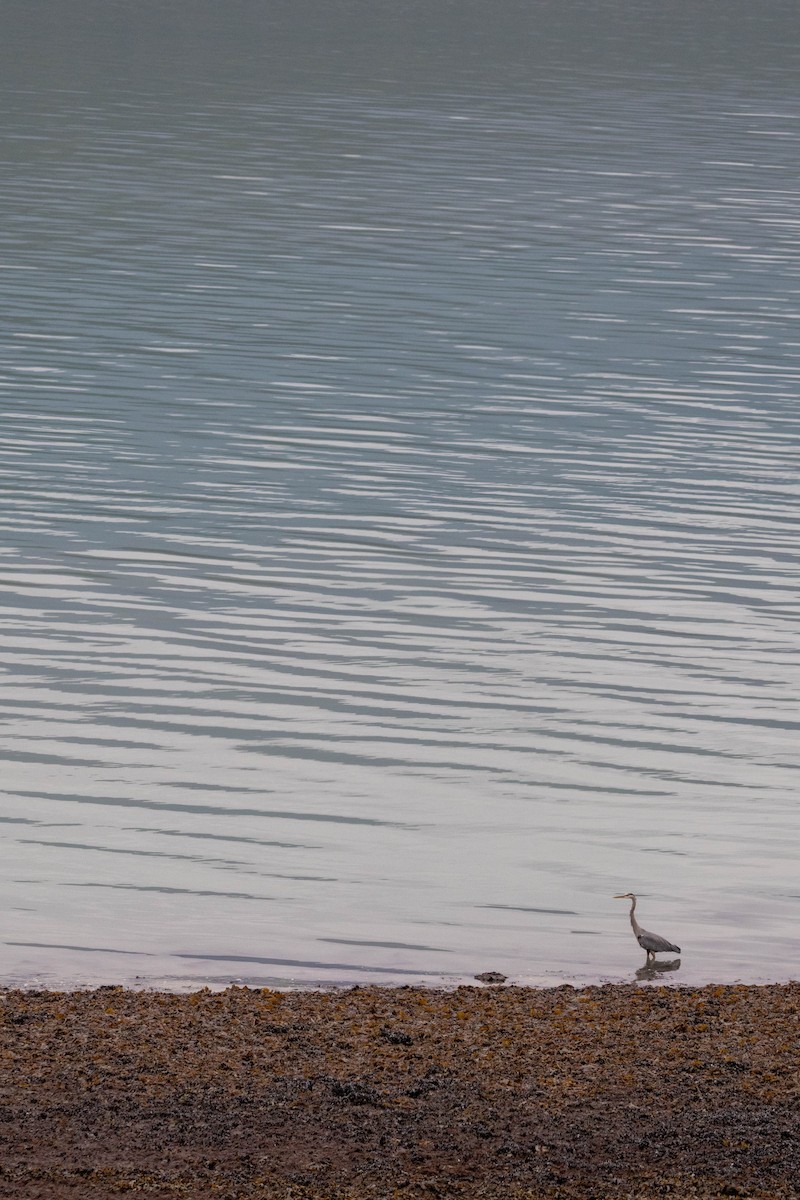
(400, 469)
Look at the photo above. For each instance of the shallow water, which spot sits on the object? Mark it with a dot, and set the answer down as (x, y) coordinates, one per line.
(399, 449)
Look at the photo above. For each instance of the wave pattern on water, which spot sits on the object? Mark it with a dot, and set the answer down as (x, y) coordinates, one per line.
(400, 530)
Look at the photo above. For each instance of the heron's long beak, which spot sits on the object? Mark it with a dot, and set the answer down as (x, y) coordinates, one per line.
(621, 897)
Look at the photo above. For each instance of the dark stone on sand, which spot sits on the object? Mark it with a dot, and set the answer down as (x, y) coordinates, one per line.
(491, 977)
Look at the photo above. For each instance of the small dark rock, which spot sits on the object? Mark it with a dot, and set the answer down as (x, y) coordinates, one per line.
(491, 977)
(354, 1092)
(422, 1088)
(396, 1036)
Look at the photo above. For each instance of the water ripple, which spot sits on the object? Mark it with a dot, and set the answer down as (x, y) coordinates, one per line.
(417, 468)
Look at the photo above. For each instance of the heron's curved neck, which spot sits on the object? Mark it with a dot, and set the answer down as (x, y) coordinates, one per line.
(637, 929)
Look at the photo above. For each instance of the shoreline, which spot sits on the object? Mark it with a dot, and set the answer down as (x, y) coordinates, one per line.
(372, 1091)
(663, 974)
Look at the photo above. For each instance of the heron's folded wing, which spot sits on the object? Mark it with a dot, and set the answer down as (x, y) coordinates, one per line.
(654, 941)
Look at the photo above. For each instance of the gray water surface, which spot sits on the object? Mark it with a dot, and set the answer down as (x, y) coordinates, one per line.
(399, 481)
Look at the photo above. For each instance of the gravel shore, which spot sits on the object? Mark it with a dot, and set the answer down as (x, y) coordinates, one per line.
(614, 1091)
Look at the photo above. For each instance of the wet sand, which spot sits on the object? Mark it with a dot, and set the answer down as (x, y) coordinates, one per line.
(616, 1091)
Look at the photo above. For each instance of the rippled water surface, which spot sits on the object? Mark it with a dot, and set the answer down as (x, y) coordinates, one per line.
(400, 467)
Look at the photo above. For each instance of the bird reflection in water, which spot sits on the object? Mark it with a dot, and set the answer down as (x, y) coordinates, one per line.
(652, 969)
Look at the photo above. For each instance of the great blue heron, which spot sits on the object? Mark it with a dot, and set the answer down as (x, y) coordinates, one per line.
(651, 942)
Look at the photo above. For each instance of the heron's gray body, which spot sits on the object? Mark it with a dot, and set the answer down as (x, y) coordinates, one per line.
(652, 943)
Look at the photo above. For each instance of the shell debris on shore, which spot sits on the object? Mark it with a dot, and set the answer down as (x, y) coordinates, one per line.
(511, 1092)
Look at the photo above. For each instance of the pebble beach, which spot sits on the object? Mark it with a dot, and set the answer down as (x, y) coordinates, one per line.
(612, 1091)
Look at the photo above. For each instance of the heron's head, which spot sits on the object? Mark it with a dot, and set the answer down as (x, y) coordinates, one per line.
(625, 896)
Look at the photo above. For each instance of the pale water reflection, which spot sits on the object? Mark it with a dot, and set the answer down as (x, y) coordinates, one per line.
(399, 461)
